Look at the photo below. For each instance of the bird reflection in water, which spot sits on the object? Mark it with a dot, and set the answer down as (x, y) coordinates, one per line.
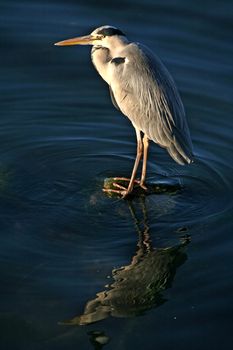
(138, 286)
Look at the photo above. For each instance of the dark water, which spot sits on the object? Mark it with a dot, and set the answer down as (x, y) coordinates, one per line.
(62, 239)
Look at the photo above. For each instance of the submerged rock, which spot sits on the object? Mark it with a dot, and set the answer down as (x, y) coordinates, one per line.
(159, 187)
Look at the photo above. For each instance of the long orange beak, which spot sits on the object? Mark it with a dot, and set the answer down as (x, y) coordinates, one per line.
(82, 40)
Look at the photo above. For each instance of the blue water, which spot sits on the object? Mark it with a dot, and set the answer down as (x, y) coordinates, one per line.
(62, 239)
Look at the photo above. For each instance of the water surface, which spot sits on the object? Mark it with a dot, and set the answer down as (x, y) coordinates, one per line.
(62, 240)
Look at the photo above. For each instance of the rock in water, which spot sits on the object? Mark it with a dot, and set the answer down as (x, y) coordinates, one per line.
(160, 187)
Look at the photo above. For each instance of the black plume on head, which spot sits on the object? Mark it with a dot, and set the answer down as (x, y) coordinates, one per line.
(110, 31)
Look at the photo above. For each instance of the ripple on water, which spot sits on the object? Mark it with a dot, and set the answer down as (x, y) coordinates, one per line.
(62, 176)
(60, 137)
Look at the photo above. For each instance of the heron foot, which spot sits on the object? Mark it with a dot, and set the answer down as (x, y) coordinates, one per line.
(122, 193)
(119, 189)
(137, 182)
(121, 186)
(125, 179)
(142, 185)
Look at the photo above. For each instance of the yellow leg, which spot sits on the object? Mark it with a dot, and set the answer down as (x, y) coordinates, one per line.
(120, 189)
(137, 161)
(145, 156)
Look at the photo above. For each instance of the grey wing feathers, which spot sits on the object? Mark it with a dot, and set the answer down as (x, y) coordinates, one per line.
(159, 111)
(114, 102)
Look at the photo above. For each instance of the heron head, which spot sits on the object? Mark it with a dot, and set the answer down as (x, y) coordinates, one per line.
(102, 36)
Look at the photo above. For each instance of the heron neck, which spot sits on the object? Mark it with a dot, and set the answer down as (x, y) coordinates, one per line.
(100, 57)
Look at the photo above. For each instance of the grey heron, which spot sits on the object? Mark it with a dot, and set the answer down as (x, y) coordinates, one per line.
(143, 90)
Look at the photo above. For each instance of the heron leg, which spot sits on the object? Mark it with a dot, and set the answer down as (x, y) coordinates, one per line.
(145, 156)
(120, 189)
(137, 161)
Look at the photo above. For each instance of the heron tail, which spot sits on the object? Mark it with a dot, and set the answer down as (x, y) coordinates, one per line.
(181, 149)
